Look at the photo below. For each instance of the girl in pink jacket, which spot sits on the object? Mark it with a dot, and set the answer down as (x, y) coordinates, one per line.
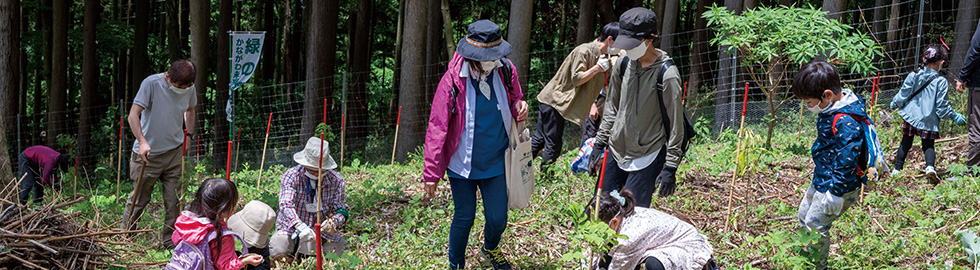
(213, 203)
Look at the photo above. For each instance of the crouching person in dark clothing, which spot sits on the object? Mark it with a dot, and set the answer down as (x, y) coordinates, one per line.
(39, 160)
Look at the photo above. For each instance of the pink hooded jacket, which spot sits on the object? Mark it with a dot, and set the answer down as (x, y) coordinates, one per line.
(446, 124)
(192, 228)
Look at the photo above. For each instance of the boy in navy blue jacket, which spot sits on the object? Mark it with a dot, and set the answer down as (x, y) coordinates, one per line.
(835, 152)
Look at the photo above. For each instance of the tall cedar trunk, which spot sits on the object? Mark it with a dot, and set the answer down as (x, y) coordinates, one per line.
(44, 19)
(891, 49)
(966, 22)
(433, 35)
(58, 93)
(90, 80)
(398, 45)
(669, 25)
(290, 52)
(586, 21)
(321, 44)
(199, 15)
(447, 29)
(185, 29)
(788, 3)
(412, 133)
(9, 72)
(141, 57)
(699, 49)
(173, 26)
(220, 121)
(606, 12)
(878, 23)
(361, 66)
(519, 36)
(271, 46)
(834, 8)
(750, 4)
(11, 53)
(724, 117)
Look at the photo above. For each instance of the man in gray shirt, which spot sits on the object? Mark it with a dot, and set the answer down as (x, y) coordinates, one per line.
(162, 108)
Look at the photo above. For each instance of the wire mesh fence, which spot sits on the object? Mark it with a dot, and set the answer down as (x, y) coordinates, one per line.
(364, 107)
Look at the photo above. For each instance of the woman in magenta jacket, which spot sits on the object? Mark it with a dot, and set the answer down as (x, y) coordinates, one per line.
(477, 99)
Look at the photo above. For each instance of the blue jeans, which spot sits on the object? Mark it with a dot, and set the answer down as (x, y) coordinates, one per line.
(494, 191)
(642, 183)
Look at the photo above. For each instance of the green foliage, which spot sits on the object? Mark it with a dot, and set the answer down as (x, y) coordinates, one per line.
(590, 235)
(971, 245)
(791, 35)
(774, 42)
(789, 249)
(326, 130)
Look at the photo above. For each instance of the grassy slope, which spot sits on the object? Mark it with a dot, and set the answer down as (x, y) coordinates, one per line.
(903, 223)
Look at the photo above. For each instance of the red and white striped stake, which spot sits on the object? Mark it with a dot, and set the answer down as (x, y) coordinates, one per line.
(738, 162)
(228, 163)
(197, 148)
(183, 156)
(75, 181)
(398, 123)
(598, 191)
(319, 213)
(119, 159)
(258, 183)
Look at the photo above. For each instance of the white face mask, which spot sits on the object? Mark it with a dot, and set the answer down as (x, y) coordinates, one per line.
(310, 175)
(639, 51)
(179, 91)
(489, 65)
(816, 108)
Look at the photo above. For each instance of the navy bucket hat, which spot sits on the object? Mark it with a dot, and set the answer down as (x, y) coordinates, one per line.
(483, 42)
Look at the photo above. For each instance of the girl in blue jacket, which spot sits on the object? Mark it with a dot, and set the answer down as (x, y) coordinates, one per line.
(922, 102)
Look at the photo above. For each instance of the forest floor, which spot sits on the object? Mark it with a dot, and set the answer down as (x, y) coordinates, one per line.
(902, 222)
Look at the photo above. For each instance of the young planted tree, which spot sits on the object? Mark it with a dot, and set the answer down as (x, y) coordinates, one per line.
(773, 42)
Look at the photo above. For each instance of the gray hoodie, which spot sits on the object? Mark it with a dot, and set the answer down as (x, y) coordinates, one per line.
(632, 125)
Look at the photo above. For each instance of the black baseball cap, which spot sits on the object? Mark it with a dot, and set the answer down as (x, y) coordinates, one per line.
(635, 25)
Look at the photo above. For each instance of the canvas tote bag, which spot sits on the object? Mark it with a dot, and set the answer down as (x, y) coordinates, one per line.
(519, 167)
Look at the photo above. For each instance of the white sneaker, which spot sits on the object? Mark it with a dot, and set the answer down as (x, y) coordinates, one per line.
(931, 175)
(895, 172)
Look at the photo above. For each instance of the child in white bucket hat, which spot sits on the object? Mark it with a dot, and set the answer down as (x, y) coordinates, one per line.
(254, 223)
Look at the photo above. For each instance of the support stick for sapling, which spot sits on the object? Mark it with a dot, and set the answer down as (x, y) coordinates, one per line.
(135, 196)
(74, 184)
(183, 156)
(119, 159)
(738, 162)
(258, 183)
(684, 94)
(598, 190)
(228, 163)
(319, 212)
(394, 146)
(238, 147)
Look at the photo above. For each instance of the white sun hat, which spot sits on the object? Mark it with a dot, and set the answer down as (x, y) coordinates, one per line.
(310, 156)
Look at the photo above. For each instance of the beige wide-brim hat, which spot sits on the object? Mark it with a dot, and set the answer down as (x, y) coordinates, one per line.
(254, 223)
(310, 156)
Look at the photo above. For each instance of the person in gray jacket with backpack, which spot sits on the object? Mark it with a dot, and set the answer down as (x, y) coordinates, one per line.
(643, 123)
(922, 103)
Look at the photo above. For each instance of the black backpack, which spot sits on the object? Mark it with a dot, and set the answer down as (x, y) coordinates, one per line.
(689, 131)
(507, 74)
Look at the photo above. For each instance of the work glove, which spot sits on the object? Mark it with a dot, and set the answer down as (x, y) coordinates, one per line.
(960, 119)
(833, 204)
(604, 63)
(597, 150)
(895, 104)
(306, 234)
(667, 181)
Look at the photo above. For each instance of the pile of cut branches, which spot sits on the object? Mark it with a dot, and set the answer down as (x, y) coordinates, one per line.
(43, 237)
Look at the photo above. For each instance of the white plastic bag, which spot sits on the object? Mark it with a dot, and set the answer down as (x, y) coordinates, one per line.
(519, 167)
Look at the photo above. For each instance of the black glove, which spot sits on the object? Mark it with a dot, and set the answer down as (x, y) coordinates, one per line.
(667, 182)
(597, 150)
